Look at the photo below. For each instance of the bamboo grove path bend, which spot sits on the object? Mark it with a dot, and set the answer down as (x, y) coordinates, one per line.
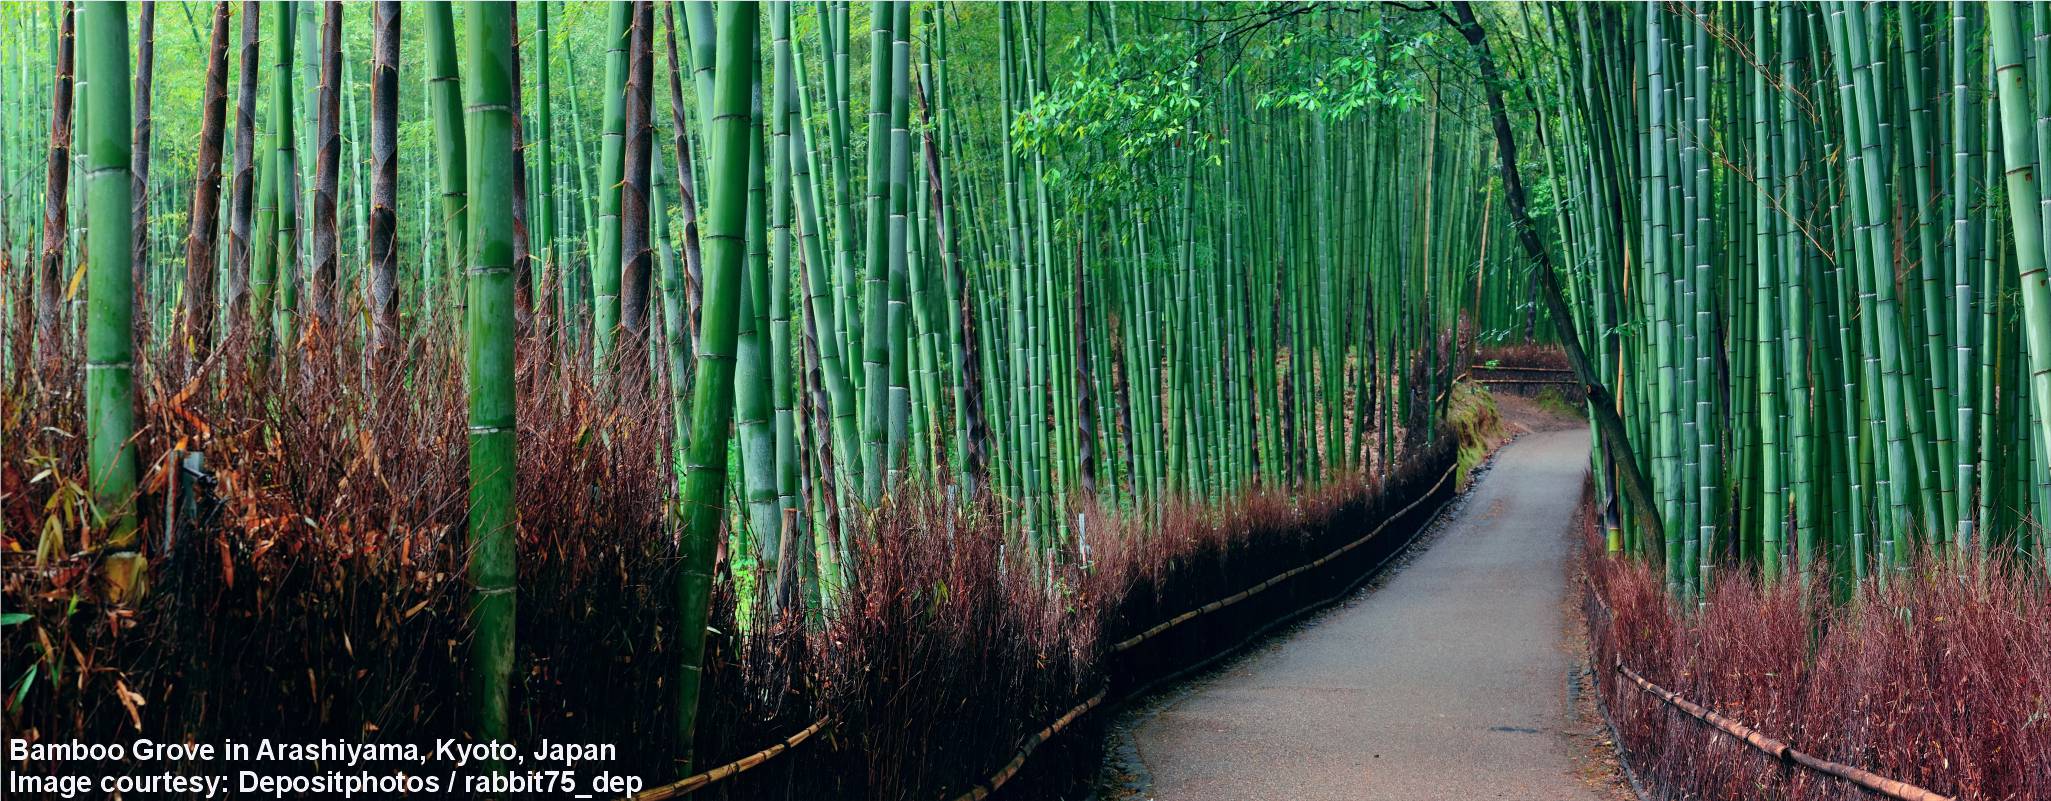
(1449, 682)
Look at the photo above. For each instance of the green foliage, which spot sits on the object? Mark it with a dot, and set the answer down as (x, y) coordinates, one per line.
(1376, 68)
(1160, 94)
(1118, 107)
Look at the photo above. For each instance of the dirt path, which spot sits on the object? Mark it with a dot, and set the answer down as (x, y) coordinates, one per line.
(1449, 682)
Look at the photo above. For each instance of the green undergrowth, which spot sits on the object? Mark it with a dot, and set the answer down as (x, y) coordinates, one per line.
(1477, 425)
(1553, 400)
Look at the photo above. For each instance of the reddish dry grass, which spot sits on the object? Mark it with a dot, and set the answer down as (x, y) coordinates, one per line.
(943, 656)
(1524, 355)
(325, 596)
(1941, 679)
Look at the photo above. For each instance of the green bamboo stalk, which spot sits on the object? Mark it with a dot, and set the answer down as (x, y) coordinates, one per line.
(580, 308)
(605, 264)
(2018, 143)
(1774, 509)
(848, 338)
(1968, 536)
(489, 118)
(286, 164)
(359, 208)
(109, 346)
(1802, 404)
(445, 101)
(712, 406)
(897, 317)
(876, 269)
(783, 105)
(1936, 452)
(819, 299)
(553, 284)
(753, 424)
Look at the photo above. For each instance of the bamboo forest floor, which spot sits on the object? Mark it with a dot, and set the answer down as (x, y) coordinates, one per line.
(1451, 680)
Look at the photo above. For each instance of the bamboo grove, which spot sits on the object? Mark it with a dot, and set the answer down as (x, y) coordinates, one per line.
(1115, 256)
(1805, 243)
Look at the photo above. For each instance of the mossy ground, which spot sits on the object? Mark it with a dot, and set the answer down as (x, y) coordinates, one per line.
(1551, 399)
(1476, 424)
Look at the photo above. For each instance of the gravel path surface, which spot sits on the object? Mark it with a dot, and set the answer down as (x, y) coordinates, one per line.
(1449, 682)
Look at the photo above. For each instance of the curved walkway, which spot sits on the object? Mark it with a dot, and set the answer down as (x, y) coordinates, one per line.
(1449, 682)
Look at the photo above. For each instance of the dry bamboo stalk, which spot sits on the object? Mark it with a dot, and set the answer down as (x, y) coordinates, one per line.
(996, 780)
(1546, 381)
(696, 782)
(1515, 369)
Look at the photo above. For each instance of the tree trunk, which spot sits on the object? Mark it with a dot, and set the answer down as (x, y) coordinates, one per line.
(202, 238)
(50, 287)
(523, 273)
(242, 182)
(139, 143)
(1602, 404)
(634, 255)
(969, 385)
(828, 486)
(384, 180)
(327, 143)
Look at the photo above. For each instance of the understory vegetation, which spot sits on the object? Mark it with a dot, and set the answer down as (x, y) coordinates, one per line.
(1938, 679)
(324, 597)
(1477, 426)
